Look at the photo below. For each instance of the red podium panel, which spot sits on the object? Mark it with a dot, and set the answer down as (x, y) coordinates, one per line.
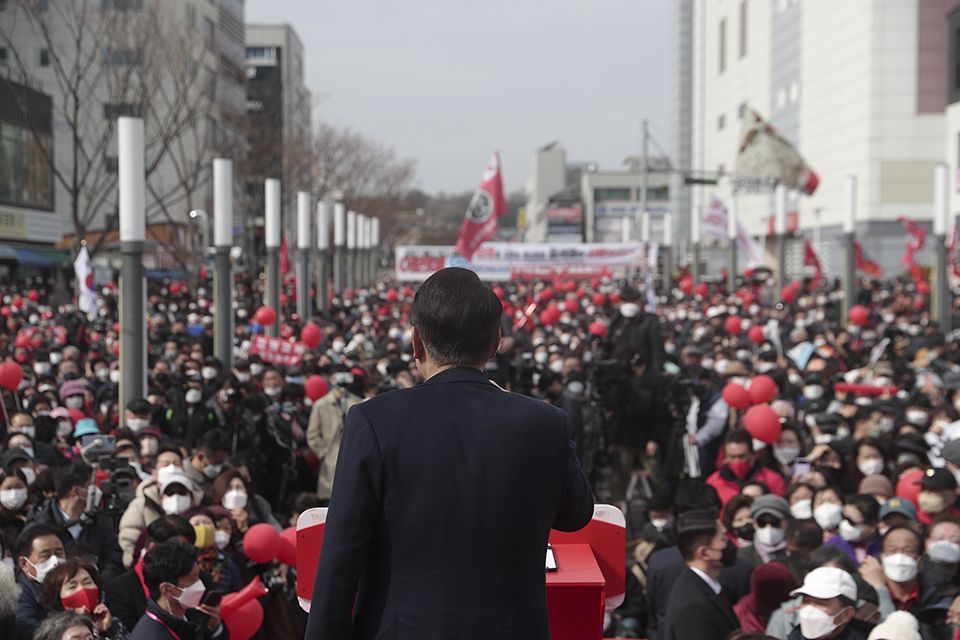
(575, 594)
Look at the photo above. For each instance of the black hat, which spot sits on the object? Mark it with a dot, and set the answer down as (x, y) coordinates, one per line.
(629, 294)
(951, 452)
(16, 453)
(139, 405)
(938, 480)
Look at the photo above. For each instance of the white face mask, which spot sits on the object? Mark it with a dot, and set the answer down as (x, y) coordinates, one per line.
(337, 347)
(115, 376)
(942, 551)
(64, 428)
(191, 596)
(629, 310)
(243, 377)
(828, 515)
(74, 402)
(916, 417)
(193, 396)
(212, 470)
(849, 532)
(45, 567)
(786, 455)
(662, 523)
(208, 373)
(30, 432)
(815, 623)
(29, 474)
(273, 392)
(540, 357)
(770, 536)
(13, 499)
(813, 392)
(556, 366)
(221, 538)
(176, 504)
(137, 424)
(234, 500)
(256, 369)
(802, 509)
(575, 387)
(900, 567)
(41, 368)
(871, 467)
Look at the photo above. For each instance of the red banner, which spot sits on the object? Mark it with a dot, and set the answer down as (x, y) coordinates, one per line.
(810, 258)
(277, 350)
(864, 263)
(284, 257)
(487, 204)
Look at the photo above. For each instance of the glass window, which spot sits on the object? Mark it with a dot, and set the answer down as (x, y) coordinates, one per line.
(743, 28)
(723, 45)
(209, 34)
(721, 122)
(611, 193)
(44, 57)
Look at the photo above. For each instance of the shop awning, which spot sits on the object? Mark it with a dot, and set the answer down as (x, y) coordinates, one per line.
(56, 257)
(160, 274)
(28, 258)
(8, 253)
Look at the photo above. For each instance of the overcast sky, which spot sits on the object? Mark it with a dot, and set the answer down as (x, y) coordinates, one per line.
(447, 83)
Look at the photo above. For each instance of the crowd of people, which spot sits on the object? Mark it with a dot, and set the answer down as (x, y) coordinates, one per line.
(844, 526)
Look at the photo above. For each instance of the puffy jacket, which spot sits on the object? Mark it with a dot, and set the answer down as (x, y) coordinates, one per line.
(142, 510)
(323, 435)
(728, 485)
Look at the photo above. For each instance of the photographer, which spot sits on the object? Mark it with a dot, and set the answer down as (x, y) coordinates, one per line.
(224, 410)
(326, 426)
(68, 512)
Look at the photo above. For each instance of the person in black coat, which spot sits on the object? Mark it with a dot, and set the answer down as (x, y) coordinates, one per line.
(39, 550)
(698, 608)
(445, 493)
(174, 612)
(67, 513)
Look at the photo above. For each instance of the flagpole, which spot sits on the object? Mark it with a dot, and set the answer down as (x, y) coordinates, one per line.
(668, 252)
(732, 249)
(272, 215)
(849, 234)
(941, 213)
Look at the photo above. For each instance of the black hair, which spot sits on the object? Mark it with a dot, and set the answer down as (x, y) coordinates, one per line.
(213, 441)
(832, 553)
(300, 502)
(867, 505)
(695, 529)
(457, 316)
(693, 493)
(804, 534)
(901, 526)
(756, 483)
(792, 489)
(166, 527)
(75, 474)
(738, 436)
(167, 562)
(169, 448)
(31, 533)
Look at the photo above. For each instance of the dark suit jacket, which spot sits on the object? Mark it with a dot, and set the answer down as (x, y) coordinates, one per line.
(442, 503)
(695, 612)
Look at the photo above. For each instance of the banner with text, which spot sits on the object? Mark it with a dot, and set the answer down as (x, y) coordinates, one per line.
(277, 350)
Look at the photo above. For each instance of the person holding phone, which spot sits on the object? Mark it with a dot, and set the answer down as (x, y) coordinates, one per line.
(77, 586)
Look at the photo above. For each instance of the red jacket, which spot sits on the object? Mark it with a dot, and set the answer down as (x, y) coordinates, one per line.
(728, 485)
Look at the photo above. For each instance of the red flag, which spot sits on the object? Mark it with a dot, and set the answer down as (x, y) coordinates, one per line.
(284, 257)
(810, 258)
(864, 263)
(487, 204)
(916, 235)
(952, 254)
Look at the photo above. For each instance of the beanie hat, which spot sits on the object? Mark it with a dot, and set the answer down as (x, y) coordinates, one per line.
(899, 625)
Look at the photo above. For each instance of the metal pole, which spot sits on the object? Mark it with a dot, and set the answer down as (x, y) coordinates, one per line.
(223, 274)
(339, 239)
(695, 241)
(849, 234)
(668, 251)
(374, 247)
(645, 239)
(780, 211)
(732, 249)
(272, 233)
(644, 189)
(133, 231)
(323, 244)
(941, 213)
(365, 240)
(352, 249)
(304, 237)
(361, 252)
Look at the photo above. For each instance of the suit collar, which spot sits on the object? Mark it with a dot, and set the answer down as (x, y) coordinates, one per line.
(459, 374)
(715, 599)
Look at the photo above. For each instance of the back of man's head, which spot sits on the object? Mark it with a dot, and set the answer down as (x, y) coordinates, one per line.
(693, 493)
(213, 441)
(167, 562)
(457, 317)
(695, 529)
(75, 474)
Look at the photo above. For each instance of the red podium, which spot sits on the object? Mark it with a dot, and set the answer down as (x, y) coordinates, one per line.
(590, 577)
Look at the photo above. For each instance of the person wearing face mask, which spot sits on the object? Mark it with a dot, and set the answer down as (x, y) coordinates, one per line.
(896, 576)
(742, 466)
(70, 512)
(706, 419)
(44, 453)
(172, 576)
(632, 325)
(72, 396)
(737, 521)
(660, 518)
(325, 429)
(828, 607)
(828, 510)
(15, 502)
(39, 551)
(138, 415)
(771, 514)
(942, 549)
(212, 451)
(225, 574)
(697, 608)
(938, 492)
(858, 532)
(75, 585)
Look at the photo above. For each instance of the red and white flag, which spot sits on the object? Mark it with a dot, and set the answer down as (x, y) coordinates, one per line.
(487, 204)
(86, 296)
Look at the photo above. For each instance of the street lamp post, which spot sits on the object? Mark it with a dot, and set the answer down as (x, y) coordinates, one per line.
(668, 251)
(133, 286)
(339, 239)
(352, 249)
(732, 249)
(780, 212)
(223, 274)
(304, 237)
(272, 233)
(323, 244)
(849, 230)
(374, 247)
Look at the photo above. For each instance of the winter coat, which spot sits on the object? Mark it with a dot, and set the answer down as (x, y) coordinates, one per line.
(143, 510)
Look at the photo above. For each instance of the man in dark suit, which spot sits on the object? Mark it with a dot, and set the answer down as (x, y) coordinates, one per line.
(698, 609)
(445, 493)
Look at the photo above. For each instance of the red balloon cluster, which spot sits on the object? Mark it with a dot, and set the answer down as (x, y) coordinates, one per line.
(11, 374)
(571, 305)
(762, 422)
(736, 396)
(288, 547)
(858, 315)
(570, 286)
(686, 285)
(788, 294)
(265, 316)
(315, 387)
(546, 294)
(550, 315)
(310, 335)
(733, 325)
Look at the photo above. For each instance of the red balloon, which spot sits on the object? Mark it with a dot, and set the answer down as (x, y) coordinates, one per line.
(244, 621)
(748, 298)
(598, 329)
(407, 292)
(392, 295)
(614, 297)
(686, 285)
(315, 387)
(348, 293)
(265, 316)
(34, 295)
(571, 305)
(23, 340)
(858, 315)
(906, 488)
(310, 335)
(6, 310)
(762, 389)
(570, 286)
(796, 285)
(546, 294)
(288, 547)
(11, 374)
(923, 288)
(599, 299)
(733, 325)
(788, 294)
(261, 543)
(919, 303)
(284, 298)
(736, 396)
(762, 423)
(18, 302)
(550, 315)
(755, 334)
(174, 288)
(703, 289)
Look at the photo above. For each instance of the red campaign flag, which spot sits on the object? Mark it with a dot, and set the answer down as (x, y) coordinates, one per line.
(487, 204)
(284, 257)
(952, 254)
(810, 258)
(864, 263)
(916, 235)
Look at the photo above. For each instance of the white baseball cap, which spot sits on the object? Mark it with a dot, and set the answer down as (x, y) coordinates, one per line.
(175, 478)
(826, 583)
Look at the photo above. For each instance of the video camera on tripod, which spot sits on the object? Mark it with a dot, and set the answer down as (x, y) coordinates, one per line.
(99, 451)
